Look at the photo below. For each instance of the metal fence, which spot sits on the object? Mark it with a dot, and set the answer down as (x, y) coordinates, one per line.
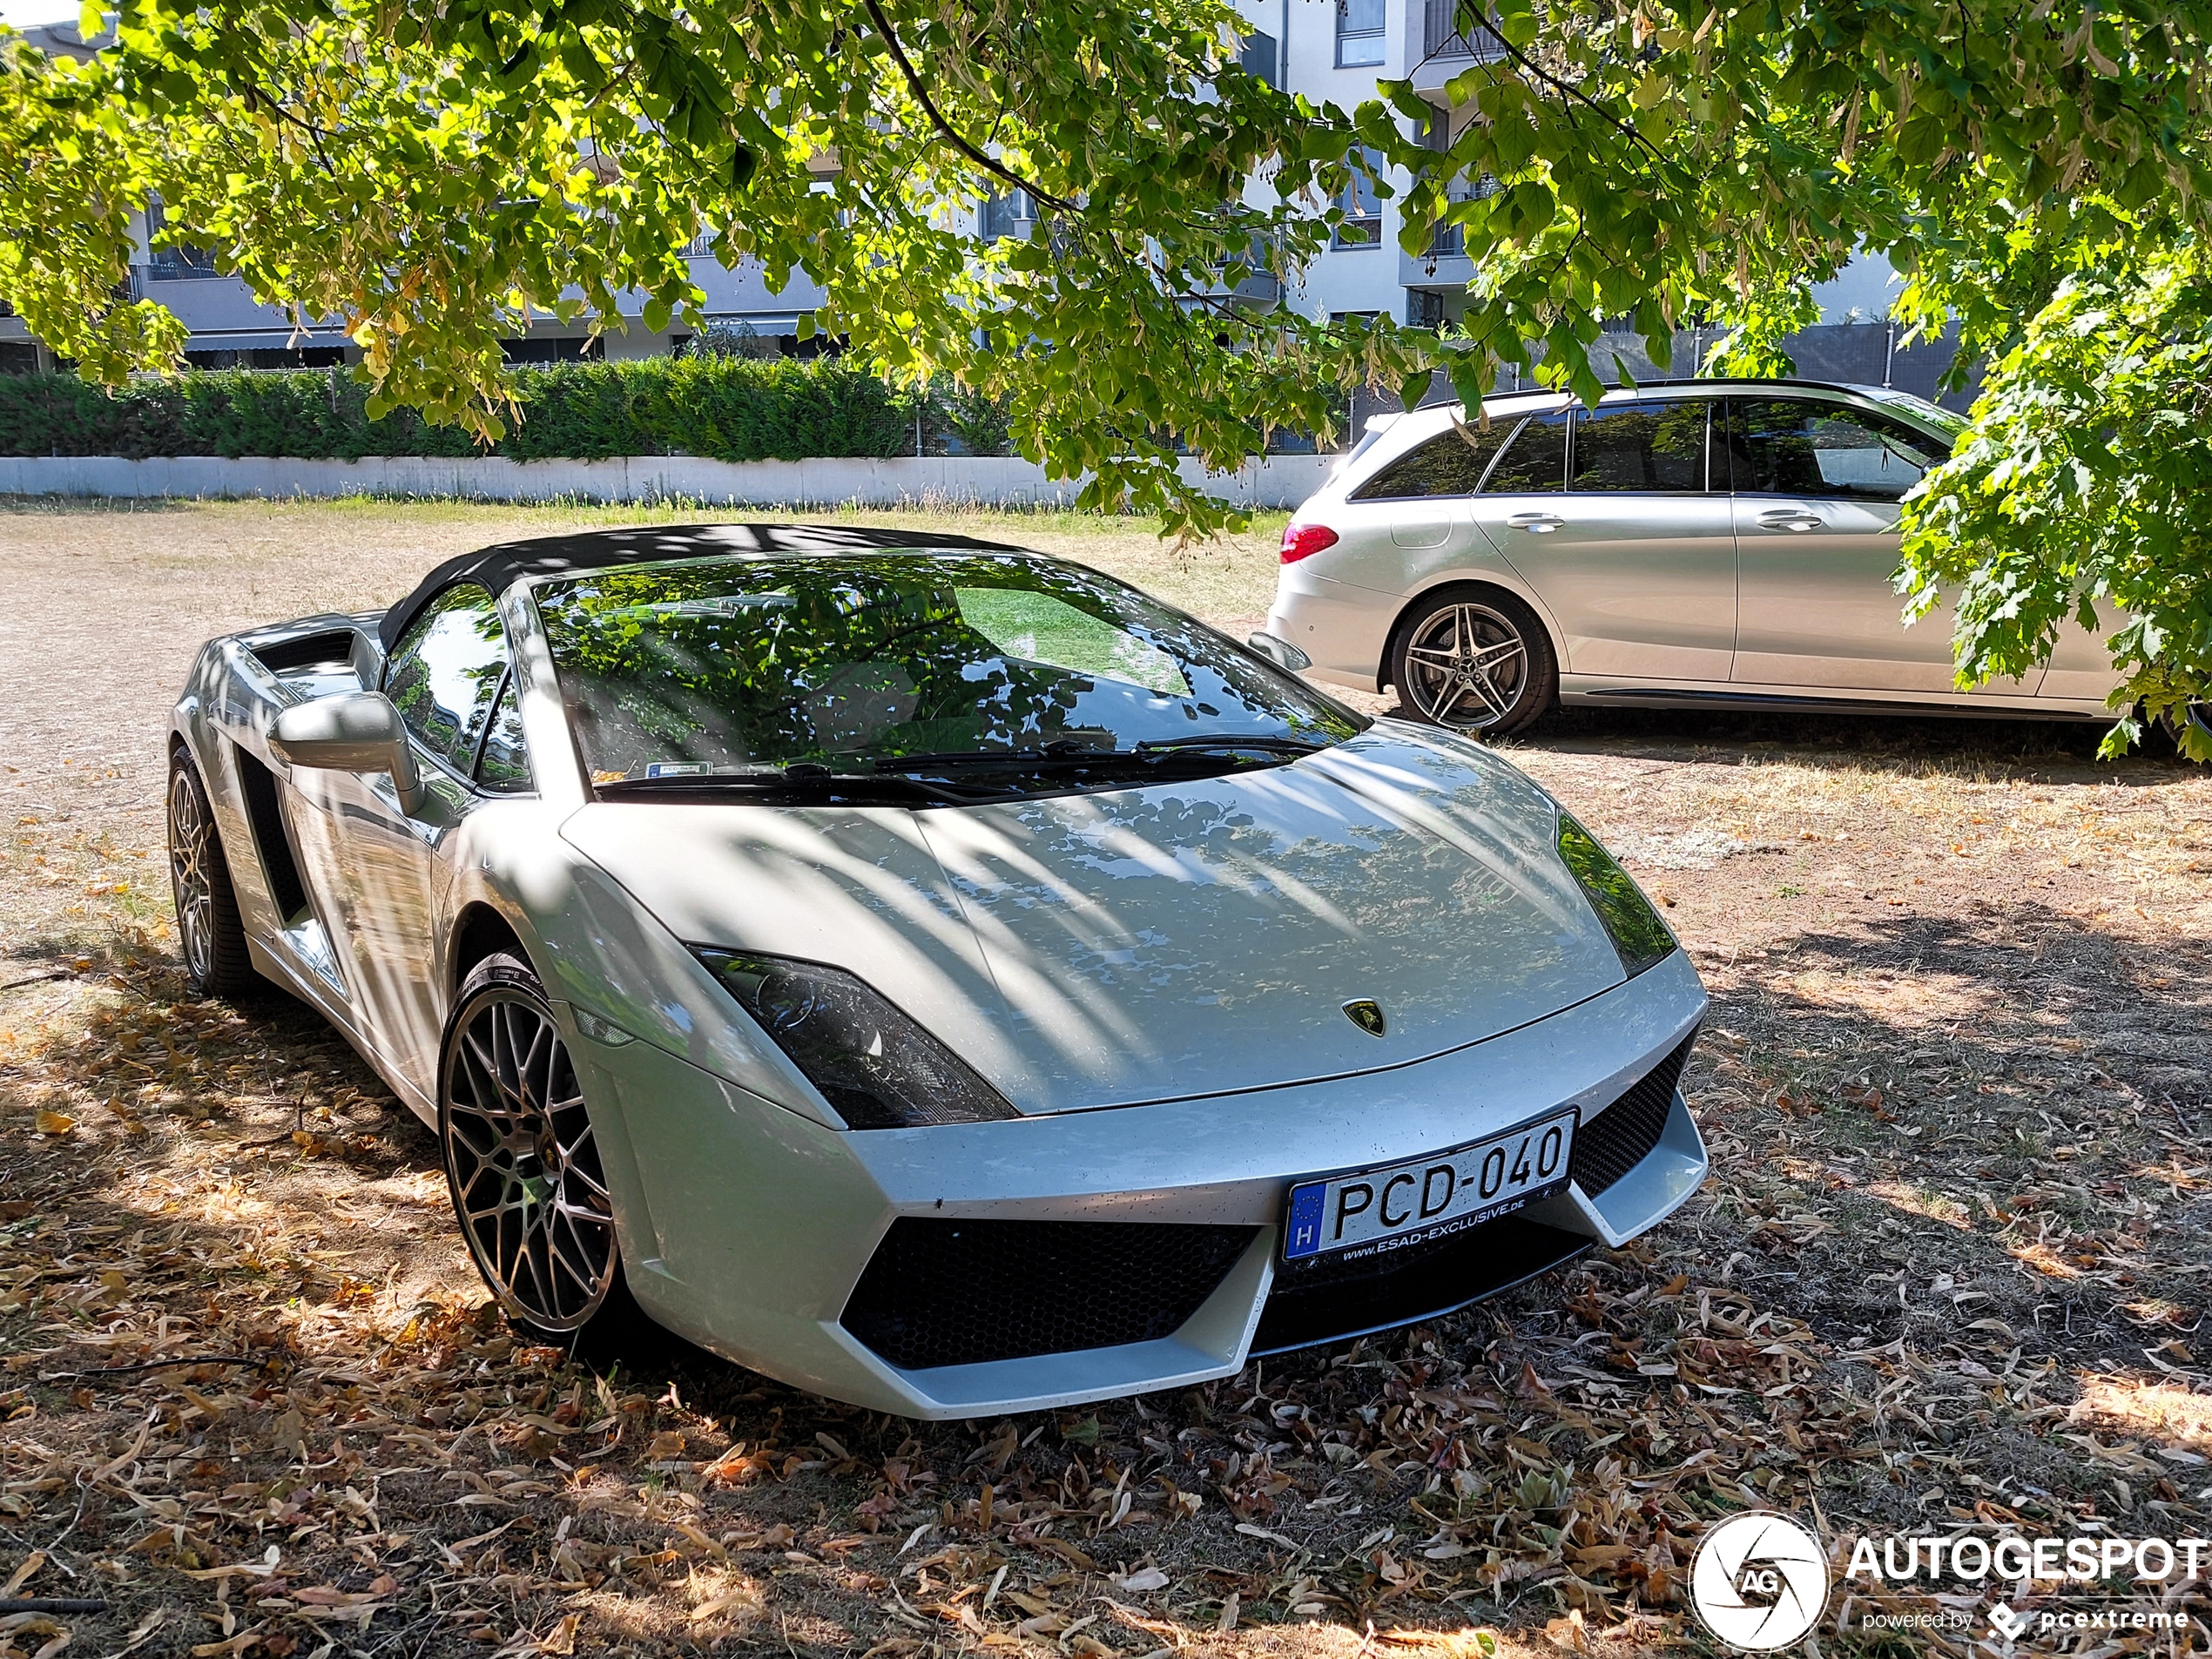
(1857, 354)
(1441, 38)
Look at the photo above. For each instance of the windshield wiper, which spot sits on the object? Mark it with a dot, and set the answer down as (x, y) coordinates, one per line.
(1061, 750)
(806, 778)
(1067, 752)
(894, 779)
(1261, 745)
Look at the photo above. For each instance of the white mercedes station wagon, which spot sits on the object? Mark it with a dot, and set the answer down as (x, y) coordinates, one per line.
(1701, 542)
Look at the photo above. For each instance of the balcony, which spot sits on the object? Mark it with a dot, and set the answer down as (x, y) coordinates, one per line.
(1257, 286)
(1445, 51)
(1444, 271)
(1440, 30)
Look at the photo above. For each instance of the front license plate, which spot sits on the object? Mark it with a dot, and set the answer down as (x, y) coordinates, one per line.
(1372, 1210)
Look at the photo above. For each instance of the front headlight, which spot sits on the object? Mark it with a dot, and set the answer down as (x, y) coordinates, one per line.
(875, 1066)
(1638, 933)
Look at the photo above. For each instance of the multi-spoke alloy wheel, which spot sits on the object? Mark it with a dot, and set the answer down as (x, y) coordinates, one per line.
(1475, 663)
(208, 930)
(192, 841)
(520, 1157)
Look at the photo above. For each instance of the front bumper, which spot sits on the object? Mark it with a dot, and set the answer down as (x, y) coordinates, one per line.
(753, 1231)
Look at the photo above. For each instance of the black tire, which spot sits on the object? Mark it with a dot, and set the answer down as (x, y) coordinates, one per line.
(1474, 659)
(210, 936)
(522, 1165)
(2193, 722)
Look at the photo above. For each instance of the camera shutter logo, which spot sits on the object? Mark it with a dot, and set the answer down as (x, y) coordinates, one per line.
(1759, 1581)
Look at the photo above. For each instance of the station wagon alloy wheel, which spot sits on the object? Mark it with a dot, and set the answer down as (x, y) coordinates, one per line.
(1467, 665)
(524, 1169)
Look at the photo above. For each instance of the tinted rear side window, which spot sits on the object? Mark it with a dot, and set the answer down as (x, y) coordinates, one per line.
(1448, 464)
(1781, 446)
(1651, 448)
(1535, 460)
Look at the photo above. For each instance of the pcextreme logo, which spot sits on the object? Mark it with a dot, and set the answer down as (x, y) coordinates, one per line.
(1759, 1581)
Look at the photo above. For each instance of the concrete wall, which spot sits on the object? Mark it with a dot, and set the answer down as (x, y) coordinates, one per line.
(1278, 481)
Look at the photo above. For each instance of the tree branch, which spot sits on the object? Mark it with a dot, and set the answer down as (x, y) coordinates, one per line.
(1567, 91)
(952, 136)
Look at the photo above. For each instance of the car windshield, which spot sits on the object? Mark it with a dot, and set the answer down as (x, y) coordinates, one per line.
(943, 664)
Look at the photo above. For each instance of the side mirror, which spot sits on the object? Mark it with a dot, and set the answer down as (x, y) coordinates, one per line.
(351, 731)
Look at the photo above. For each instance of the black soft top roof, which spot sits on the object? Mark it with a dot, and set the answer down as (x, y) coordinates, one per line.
(495, 568)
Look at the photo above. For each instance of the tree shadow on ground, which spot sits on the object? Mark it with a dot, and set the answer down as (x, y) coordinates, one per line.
(2048, 751)
(1948, 1247)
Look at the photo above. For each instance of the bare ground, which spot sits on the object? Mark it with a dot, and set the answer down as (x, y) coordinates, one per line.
(1950, 1270)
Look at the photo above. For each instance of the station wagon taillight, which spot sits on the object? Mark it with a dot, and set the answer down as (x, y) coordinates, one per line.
(1303, 541)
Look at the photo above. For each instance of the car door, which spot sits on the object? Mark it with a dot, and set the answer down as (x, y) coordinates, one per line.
(1612, 517)
(1816, 486)
(374, 861)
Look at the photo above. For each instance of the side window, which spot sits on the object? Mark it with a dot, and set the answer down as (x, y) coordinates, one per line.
(1781, 446)
(504, 766)
(1448, 464)
(1651, 448)
(1536, 460)
(446, 671)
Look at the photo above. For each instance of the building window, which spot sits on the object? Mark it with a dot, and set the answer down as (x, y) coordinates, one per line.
(267, 357)
(1359, 33)
(18, 357)
(1259, 60)
(1424, 309)
(593, 350)
(177, 260)
(1010, 214)
(1362, 224)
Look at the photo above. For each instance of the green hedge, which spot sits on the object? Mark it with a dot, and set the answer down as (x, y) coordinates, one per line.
(726, 409)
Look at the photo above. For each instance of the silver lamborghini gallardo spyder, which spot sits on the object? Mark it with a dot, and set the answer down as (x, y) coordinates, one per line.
(926, 972)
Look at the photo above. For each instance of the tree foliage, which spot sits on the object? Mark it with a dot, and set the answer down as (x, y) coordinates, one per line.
(436, 177)
(2084, 491)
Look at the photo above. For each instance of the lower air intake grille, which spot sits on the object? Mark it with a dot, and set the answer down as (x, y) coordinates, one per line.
(952, 1292)
(1328, 1301)
(1609, 1145)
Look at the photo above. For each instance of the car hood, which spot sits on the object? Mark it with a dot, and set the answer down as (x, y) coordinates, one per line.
(1180, 940)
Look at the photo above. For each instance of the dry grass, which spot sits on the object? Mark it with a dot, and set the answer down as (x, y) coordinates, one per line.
(1951, 1268)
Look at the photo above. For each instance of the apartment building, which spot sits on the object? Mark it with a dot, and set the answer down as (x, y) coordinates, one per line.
(1336, 50)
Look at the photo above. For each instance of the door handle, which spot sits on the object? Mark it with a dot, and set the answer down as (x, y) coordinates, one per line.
(1541, 523)
(1790, 518)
